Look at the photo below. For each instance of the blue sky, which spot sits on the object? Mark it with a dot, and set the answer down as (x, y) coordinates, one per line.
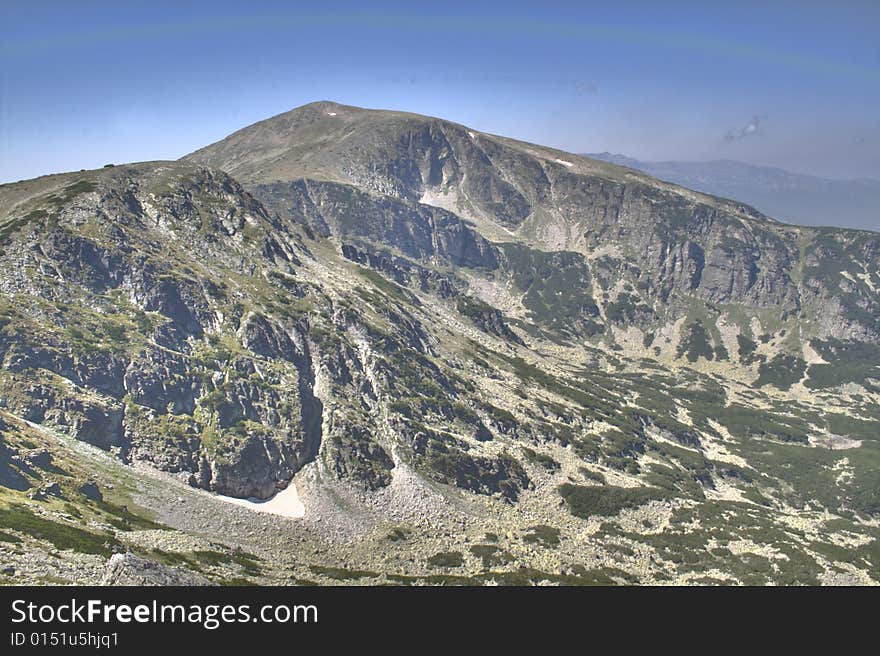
(789, 84)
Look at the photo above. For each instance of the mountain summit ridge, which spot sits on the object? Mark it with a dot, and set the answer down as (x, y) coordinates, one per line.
(290, 133)
(545, 198)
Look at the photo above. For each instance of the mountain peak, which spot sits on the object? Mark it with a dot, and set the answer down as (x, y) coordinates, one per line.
(320, 108)
(493, 180)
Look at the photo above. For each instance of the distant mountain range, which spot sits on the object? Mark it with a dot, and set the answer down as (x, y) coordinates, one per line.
(787, 196)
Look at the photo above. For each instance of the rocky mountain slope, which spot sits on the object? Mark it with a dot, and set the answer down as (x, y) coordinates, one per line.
(475, 360)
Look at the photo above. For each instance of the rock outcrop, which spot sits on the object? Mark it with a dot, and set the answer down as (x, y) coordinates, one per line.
(126, 569)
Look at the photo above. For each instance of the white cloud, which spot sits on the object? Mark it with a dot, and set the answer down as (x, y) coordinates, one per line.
(747, 130)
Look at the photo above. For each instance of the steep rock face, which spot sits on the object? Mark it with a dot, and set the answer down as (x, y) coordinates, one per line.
(840, 280)
(451, 461)
(100, 370)
(390, 153)
(40, 396)
(137, 273)
(405, 272)
(12, 464)
(195, 344)
(682, 245)
(417, 231)
(355, 455)
(255, 466)
(486, 318)
(162, 380)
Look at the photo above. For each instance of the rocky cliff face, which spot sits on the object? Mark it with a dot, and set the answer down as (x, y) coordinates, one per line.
(123, 293)
(678, 246)
(411, 316)
(420, 232)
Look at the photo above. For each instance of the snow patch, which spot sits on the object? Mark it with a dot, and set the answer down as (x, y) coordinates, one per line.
(285, 503)
(563, 162)
(331, 113)
(835, 442)
(442, 200)
(866, 278)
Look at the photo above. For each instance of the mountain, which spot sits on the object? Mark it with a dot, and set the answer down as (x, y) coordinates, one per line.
(446, 356)
(790, 197)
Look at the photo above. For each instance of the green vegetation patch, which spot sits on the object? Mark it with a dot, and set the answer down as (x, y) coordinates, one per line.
(629, 309)
(585, 501)
(695, 343)
(543, 534)
(674, 480)
(746, 422)
(590, 475)
(446, 559)
(123, 519)
(527, 576)
(853, 427)
(782, 371)
(557, 289)
(62, 536)
(392, 289)
(540, 459)
(8, 537)
(248, 562)
(847, 362)
(342, 574)
(491, 555)
(747, 347)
